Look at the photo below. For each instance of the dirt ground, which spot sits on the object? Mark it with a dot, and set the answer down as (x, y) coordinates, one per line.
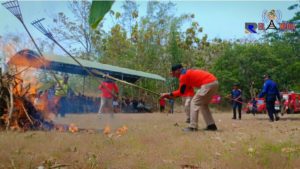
(156, 140)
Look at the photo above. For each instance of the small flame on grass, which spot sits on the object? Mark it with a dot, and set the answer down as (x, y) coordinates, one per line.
(119, 132)
(122, 130)
(106, 130)
(73, 128)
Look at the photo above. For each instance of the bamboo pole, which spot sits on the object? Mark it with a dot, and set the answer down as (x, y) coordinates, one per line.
(124, 82)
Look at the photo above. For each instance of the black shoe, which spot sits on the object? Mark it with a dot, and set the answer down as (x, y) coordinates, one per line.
(234, 118)
(211, 127)
(271, 120)
(277, 118)
(189, 129)
(188, 120)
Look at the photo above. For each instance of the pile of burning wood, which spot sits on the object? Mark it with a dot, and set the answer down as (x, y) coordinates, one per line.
(17, 111)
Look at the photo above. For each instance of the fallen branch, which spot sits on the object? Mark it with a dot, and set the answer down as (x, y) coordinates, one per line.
(11, 106)
(26, 113)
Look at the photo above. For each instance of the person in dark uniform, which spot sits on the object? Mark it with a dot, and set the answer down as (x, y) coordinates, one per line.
(254, 106)
(236, 96)
(270, 91)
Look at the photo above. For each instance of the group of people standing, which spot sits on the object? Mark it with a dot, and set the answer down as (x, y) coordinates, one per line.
(109, 102)
(196, 87)
(270, 92)
(163, 105)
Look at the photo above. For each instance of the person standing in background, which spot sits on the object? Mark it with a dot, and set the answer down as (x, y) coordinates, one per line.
(162, 104)
(109, 91)
(236, 97)
(270, 91)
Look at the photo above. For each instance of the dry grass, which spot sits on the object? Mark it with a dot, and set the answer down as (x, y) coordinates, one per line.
(153, 141)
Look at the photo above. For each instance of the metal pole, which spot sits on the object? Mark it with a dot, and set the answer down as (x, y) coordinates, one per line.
(83, 85)
(121, 93)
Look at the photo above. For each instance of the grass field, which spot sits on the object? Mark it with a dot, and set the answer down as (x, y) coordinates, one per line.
(156, 141)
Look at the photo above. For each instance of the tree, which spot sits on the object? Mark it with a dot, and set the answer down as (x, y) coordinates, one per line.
(77, 34)
(115, 47)
(129, 15)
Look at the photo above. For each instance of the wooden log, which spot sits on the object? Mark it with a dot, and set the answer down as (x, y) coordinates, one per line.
(11, 106)
(26, 113)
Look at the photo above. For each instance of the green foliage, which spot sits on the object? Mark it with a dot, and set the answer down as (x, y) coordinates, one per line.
(75, 31)
(157, 41)
(246, 63)
(98, 11)
(154, 42)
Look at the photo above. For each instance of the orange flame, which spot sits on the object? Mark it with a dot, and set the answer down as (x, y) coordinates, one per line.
(106, 130)
(20, 60)
(122, 130)
(119, 132)
(24, 82)
(73, 128)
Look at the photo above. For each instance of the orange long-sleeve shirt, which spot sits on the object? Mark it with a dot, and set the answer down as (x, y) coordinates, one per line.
(192, 78)
(188, 92)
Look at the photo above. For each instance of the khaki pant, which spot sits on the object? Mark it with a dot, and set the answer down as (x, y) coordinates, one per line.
(106, 104)
(200, 102)
(187, 106)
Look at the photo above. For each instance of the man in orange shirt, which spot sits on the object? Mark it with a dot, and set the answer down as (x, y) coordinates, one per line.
(206, 85)
(109, 91)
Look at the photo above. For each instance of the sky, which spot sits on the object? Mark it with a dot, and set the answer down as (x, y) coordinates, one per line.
(219, 19)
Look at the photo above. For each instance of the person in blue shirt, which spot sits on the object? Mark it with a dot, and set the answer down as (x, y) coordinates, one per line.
(171, 102)
(270, 91)
(236, 97)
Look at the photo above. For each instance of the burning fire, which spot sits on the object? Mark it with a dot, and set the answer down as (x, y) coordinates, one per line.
(73, 128)
(122, 130)
(23, 107)
(106, 130)
(119, 132)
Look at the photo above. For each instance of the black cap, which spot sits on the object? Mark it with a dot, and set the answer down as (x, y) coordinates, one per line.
(266, 76)
(66, 76)
(176, 67)
(236, 84)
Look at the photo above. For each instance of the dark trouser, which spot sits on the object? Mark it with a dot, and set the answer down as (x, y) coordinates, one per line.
(63, 103)
(271, 109)
(239, 107)
(172, 108)
(254, 110)
(162, 108)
